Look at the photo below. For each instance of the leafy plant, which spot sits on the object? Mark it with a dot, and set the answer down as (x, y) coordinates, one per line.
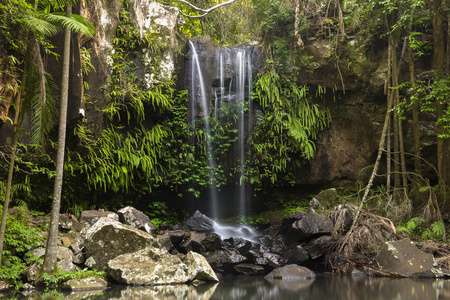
(62, 276)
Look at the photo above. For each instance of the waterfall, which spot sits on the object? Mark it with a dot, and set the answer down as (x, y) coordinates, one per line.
(229, 86)
(198, 82)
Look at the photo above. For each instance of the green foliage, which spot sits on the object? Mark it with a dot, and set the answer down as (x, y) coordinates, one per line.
(291, 123)
(20, 237)
(159, 213)
(62, 276)
(417, 226)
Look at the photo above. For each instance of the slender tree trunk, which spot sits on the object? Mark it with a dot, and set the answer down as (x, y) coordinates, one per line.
(415, 111)
(12, 161)
(388, 130)
(395, 100)
(52, 241)
(438, 64)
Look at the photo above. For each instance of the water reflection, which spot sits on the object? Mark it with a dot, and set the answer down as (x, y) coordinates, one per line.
(257, 288)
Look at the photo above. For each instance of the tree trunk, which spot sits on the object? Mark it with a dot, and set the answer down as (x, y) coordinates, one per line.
(52, 241)
(11, 162)
(438, 64)
(415, 111)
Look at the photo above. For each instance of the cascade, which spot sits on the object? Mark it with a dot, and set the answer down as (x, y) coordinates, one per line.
(220, 91)
(198, 82)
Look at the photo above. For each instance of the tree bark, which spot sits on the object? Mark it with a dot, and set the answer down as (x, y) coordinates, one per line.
(11, 162)
(438, 64)
(52, 241)
(204, 11)
(415, 112)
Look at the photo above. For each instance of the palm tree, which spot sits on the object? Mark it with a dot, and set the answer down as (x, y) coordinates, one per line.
(40, 23)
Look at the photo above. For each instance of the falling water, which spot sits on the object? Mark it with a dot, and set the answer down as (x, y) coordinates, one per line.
(197, 74)
(240, 101)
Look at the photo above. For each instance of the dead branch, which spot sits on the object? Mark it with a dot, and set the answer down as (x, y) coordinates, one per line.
(204, 11)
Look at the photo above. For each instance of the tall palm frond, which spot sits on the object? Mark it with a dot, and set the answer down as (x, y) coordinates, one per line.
(75, 24)
(41, 26)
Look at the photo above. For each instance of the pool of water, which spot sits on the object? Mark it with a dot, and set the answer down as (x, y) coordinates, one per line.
(324, 287)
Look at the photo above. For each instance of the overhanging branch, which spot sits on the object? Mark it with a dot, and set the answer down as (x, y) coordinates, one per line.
(204, 11)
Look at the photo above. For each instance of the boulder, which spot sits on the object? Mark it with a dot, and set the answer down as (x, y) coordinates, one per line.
(108, 238)
(308, 226)
(291, 272)
(198, 268)
(249, 269)
(212, 242)
(20, 213)
(64, 261)
(314, 206)
(90, 217)
(136, 218)
(85, 284)
(148, 266)
(272, 259)
(165, 241)
(404, 258)
(69, 222)
(319, 246)
(296, 254)
(201, 223)
(224, 258)
(192, 241)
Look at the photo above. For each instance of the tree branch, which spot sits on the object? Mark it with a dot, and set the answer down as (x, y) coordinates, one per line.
(204, 11)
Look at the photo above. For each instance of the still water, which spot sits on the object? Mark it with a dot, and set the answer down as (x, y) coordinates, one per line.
(257, 288)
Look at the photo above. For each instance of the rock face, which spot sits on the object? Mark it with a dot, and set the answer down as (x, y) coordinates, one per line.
(153, 266)
(306, 226)
(64, 261)
(136, 218)
(149, 266)
(291, 272)
(200, 223)
(108, 239)
(90, 217)
(404, 258)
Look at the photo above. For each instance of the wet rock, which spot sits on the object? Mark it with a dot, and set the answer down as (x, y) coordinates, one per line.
(108, 239)
(296, 254)
(192, 241)
(291, 272)
(319, 246)
(249, 269)
(307, 227)
(212, 242)
(69, 222)
(85, 284)
(148, 266)
(90, 217)
(200, 223)
(404, 258)
(136, 218)
(272, 259)
(27, 287)
(224, 259)
(198, 268)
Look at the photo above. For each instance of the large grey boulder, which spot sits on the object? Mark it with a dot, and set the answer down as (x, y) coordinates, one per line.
(90, 217)
(148, 266)
(201, 223)
(198, 267)
(154, 266)
(291, 272)
(107, 239)
(308, 226)
(136, 218)
(224, 259)
(404, 258)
